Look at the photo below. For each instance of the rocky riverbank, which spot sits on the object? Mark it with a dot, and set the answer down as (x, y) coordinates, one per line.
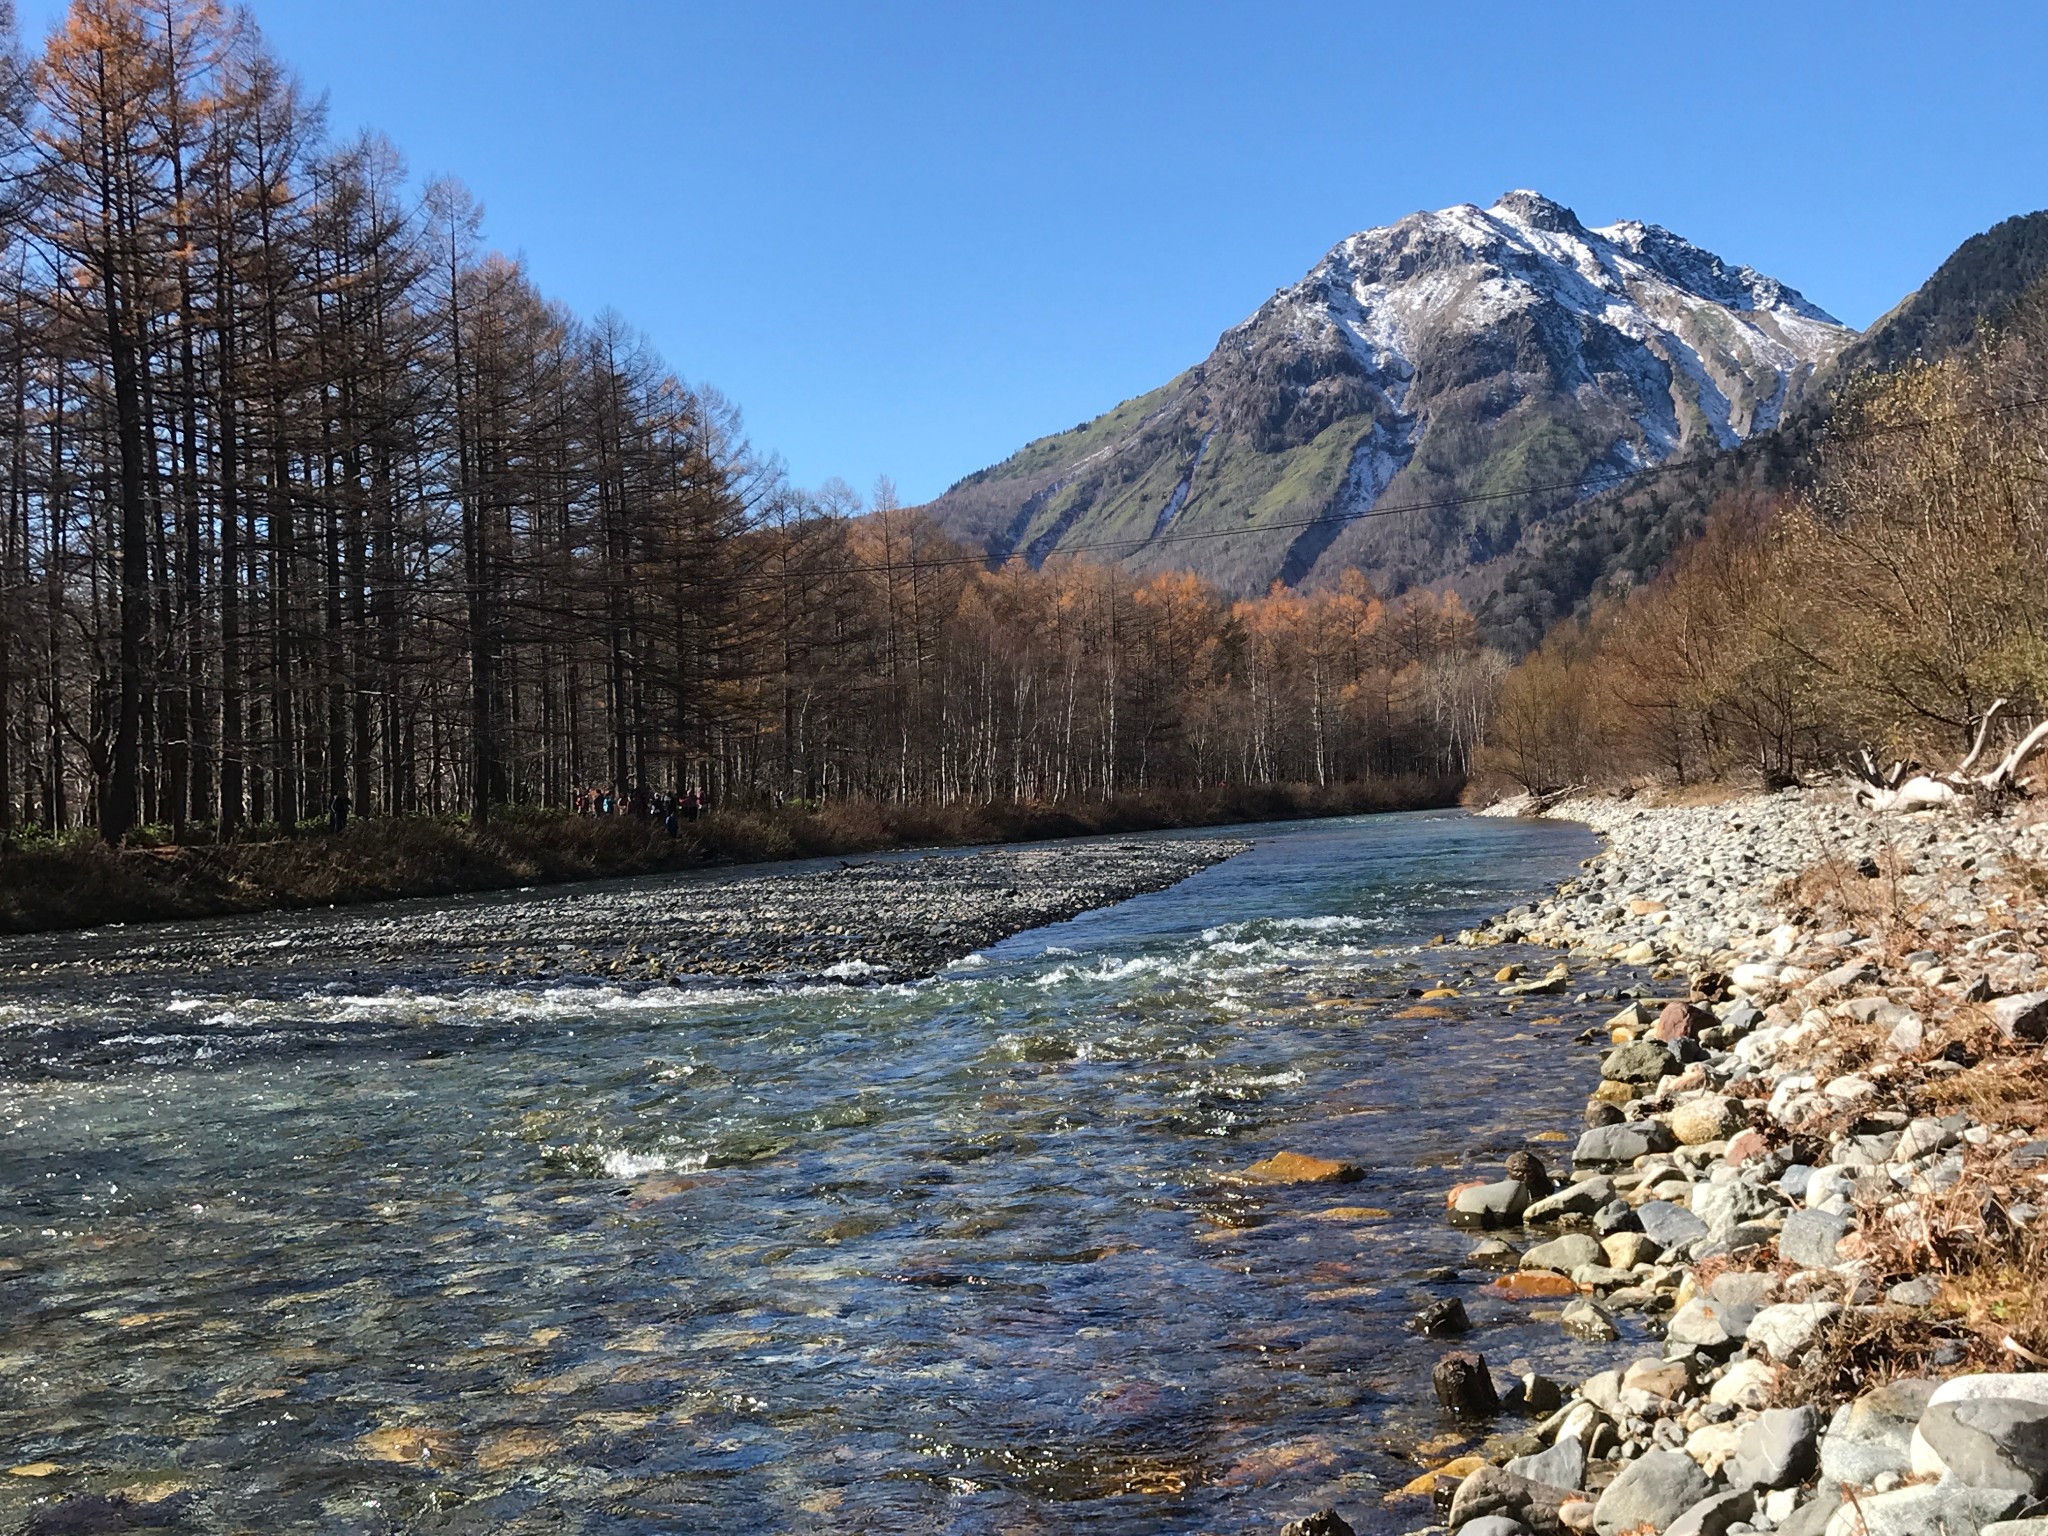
(1807, 1196)
(867, 920)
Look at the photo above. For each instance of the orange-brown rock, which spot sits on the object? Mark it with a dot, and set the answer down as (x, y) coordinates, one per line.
(1533, 1285)
(1300, 1168)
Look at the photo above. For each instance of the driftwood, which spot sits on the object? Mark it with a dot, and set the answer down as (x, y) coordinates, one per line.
(1908, 787)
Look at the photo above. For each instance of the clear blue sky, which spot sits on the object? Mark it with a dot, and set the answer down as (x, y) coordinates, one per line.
(906, 238)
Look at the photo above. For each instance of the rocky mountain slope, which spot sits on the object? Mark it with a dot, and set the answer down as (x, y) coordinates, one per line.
(1508, 361)
(1623, 535)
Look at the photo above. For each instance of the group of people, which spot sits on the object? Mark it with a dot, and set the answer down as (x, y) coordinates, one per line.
(671, 810)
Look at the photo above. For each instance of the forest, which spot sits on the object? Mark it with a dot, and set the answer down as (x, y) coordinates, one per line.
(1886, 608)
(311, 496)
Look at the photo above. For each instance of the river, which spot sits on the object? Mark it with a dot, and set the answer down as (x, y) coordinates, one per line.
(417, 1254)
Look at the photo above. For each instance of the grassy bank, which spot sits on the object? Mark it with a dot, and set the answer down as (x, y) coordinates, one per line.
(50, 884)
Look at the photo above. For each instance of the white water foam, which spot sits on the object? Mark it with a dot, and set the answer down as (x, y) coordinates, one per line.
(620, 1164)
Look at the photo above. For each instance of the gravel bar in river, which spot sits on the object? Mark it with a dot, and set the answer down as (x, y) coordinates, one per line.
(879, 919)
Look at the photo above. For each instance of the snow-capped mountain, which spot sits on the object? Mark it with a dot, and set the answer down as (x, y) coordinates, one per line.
(1492, 366)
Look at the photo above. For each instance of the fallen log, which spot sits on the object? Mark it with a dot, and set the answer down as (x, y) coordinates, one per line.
(1905, 786)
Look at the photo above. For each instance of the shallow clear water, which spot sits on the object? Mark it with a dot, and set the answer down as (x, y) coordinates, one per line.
(957, 1256)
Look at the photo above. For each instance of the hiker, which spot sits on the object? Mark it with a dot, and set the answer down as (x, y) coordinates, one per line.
(337, 811)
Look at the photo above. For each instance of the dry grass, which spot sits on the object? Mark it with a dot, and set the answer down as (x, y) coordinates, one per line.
(78, 882)
(1862, 1348)
(1690, 796)
(1839, 890)
(1992, 1308)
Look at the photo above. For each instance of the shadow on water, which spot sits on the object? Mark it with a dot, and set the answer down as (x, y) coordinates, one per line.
(963, 1255)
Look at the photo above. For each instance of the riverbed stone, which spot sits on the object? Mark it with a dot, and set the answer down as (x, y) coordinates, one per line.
(1920, 1291)
(1728, 1203)
(1668, 1379)
(1564, 1254)
(1783, 1331)
(2021, 1388)
(1463, 1384)
(1715, 1514)
(1709, 1325)
(1873, 1436)
(1441, 1319)
(1779, 1449)
(1588, 1320)
(1991, 1442)
(2023, 1016)
(1672, 1226)
(1653, 1490)
(1811, 1238)
(1682, 1021)
(1613, 1144)
(1713, 1446)
(1498, 1204)
(1497, 1491)
(1640, 1061)
(1745, 1146)
(1706, 1117)
(1582, 1198)
(1494, 1253)
(1924, 1509)
(1302, 1168)
(1625, 1250)
(1742, 1287)
(1563, 1465)
(1851, 973)
(1745, 1384)
(1615, 1216)
(1493, 1525)
(1324, 1522)
(1812, 1517)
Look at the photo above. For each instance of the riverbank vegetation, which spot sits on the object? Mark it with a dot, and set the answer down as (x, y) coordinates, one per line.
(78, 880)
(310, 496)
(1887, 608)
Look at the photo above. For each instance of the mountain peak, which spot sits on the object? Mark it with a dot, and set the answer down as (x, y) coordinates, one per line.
(1536, 211)
(1495, 365)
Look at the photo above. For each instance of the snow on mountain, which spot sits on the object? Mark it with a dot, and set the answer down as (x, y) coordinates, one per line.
(1497, 363)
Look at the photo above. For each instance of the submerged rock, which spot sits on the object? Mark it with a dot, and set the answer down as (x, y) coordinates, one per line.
(1463, 1384)
(1442, 1318)
(1498, 1204)
(1300, 1168)
(1324, 1522)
